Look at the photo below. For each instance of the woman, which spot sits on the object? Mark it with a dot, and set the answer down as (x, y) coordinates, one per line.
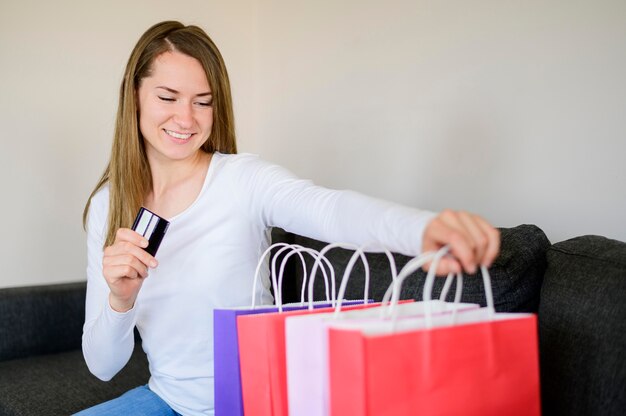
(174, 152)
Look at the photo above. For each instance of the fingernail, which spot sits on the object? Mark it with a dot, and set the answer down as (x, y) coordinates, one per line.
(144, 243)
(153, 263)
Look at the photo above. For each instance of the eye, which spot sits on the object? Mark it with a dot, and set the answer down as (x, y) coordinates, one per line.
(205, 103)
(167, 99)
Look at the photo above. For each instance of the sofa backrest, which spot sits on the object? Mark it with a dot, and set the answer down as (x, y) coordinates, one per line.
(41, 319)
(517, 273)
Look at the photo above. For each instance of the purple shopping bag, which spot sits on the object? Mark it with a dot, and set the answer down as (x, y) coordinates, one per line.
(228, 397)
(227, 370)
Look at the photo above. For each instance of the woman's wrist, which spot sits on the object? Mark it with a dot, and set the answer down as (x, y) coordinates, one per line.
(120, 305)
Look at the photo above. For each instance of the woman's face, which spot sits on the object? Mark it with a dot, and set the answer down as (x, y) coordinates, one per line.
(175, 108)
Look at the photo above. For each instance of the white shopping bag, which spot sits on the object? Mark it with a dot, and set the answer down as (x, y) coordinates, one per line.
(307, 339)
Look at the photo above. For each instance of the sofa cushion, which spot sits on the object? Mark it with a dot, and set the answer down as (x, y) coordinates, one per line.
(582, 328)
(41, 319)
(61, 384)
(516, 274)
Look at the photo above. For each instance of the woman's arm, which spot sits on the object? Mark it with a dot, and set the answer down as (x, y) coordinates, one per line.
(345, 216)
(108, 339)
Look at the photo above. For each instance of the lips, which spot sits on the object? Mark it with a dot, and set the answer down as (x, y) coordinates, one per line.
(179, 136)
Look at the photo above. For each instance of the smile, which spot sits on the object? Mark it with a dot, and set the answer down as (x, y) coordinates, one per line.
(179, 136)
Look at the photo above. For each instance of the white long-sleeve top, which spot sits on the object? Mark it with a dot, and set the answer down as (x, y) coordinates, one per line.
(207, 260)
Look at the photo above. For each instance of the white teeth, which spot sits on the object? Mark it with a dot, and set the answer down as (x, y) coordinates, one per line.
(178, 135)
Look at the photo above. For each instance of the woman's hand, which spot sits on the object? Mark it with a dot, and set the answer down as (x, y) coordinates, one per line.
(125, 266)
(473, 241)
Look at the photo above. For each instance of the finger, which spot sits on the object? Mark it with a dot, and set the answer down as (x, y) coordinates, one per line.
(476, 233)
(126, 247)
(116, 272)
(493, 242)
(134, 262)
(439, 231)
(126, 234)
(446, 265)
(126, 260)
(438, 234)
(460, 241)
(138, 268)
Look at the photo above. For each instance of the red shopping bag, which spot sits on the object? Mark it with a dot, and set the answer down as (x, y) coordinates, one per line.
(227, 377)
(484, 368)
(262, 350)
(476, 362)
(262, 355)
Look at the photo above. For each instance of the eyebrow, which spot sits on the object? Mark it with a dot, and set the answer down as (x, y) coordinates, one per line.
(173, 91)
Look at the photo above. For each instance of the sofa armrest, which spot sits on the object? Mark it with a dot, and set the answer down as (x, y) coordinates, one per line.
(582, 328)
(41, 319)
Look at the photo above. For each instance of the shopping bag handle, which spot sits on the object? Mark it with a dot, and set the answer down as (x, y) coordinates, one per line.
(446, 287)
(418, 262)
(322, 253)
(392, 296)
(428, 288)
(430, 280)
(347, 273)
(414, 264)
(386, 309)
(444, 292)
(285, 246)
(297, 249)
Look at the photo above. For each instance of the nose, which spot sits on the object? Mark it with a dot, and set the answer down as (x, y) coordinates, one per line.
(184, 116)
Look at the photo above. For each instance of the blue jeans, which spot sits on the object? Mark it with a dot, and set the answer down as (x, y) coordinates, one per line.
(138, 401)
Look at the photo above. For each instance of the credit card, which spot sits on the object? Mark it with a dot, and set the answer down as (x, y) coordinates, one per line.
(152, 227)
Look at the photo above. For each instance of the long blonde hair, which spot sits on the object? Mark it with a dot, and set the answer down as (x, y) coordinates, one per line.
(128, 171)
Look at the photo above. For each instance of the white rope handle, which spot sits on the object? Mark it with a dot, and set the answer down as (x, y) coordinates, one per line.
(297, 250)
(278, 289)
(360, 252)
(316, 266)
(418, 262)
(430, 279)
(430, 282)
(348, 271)
(261, 261)
(457, 295)
(346, 276)
(412, 266)
(258, 269)
(386, 310)
(488, 292)
(446, 287)
(396, 285)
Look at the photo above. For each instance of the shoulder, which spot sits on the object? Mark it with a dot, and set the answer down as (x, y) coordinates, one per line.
(101, 198)
(238, 160)
(98, 210)
(246, 166)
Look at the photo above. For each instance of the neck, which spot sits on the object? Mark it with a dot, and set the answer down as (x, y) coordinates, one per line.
(170, 174)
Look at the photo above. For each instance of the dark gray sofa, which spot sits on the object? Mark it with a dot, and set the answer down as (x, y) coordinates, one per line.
(577, 287)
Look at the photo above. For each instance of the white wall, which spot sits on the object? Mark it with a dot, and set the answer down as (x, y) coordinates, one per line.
(62, 64)
(515, 110)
